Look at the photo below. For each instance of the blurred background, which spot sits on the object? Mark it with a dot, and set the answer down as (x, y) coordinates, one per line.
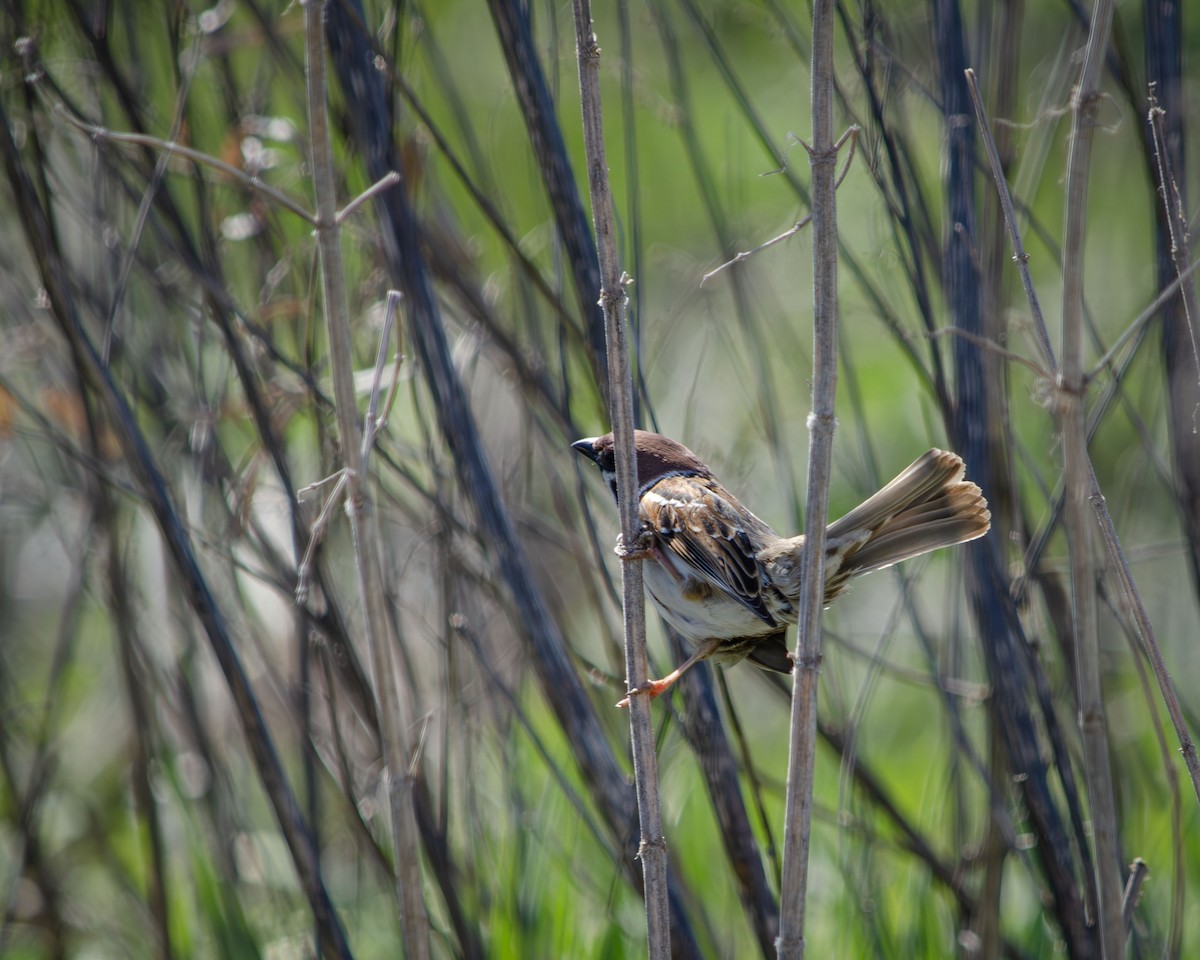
(165, 407)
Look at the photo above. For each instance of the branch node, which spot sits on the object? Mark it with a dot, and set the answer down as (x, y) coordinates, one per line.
(807, 662)
(611, 299)
(654, 843)
(590, 51)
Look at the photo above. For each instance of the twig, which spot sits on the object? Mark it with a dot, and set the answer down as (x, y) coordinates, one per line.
(1149, 313)
(1176, 220)
(1178, 844)
(1010, 219)
(852, 135)
(372, 423)
(383, 183)
(188, 70)
(992, 347)
(652, 850)
(249, 180)
(1138, 872)
(1141, 621)
(394, 709)
(821, 424)
(316, 534)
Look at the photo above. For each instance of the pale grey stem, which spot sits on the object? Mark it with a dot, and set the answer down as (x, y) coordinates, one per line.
(1077, 473)
(1130, 596)
(803, 732)
(652, 851)
(394, 712)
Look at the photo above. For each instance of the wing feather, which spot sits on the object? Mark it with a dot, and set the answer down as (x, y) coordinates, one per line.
(711, 536)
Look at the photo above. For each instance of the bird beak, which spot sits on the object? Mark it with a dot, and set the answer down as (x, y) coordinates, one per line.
(586, 446)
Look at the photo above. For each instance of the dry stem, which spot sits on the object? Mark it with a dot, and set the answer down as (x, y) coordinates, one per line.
(1116, 554)
(803, 731)
(652, 850)
(394, 712)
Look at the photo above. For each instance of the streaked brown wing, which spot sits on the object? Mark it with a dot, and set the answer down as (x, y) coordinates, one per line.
(717, 538)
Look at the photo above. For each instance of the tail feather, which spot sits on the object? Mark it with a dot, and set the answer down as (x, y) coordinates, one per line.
(892, 548)
(928, 506)
(932, 472)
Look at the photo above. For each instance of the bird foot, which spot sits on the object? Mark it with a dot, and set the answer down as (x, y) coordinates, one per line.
(650, 689)
(642, 548)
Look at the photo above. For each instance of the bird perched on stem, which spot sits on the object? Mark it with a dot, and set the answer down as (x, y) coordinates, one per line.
(730, 585)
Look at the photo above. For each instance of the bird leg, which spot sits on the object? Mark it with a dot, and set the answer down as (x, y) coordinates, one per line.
(652, 688)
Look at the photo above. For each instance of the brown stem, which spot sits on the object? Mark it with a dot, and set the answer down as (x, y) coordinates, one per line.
(802, 752)
(652, 850)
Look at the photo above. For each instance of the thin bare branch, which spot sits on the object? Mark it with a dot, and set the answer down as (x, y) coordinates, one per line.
(394, 708)
(1138, 872)
(1076, 472)
(821, 424)
(852, 135)
(652, 850)
(249, 180)
(383, 183)
(1010, 219)
(1150, 312)
(372, 422)
(992, 347)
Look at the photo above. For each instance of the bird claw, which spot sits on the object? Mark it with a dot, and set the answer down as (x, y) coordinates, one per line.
(642, 549)
(651, 689)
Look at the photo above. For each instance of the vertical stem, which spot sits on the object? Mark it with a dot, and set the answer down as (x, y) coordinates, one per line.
(393, 710)
(1077, 471)
(1134, 607)
(803, 735)
(652, 850)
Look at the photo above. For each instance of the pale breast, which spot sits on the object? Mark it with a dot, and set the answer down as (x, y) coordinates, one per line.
(698, 610)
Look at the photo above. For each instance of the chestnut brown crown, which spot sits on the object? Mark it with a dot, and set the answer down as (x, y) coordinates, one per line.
(657, 457)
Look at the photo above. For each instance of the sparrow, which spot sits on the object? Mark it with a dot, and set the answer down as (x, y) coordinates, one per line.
(730, 585)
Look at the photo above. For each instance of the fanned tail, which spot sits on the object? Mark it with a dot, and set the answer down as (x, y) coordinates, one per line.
(928, 506)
